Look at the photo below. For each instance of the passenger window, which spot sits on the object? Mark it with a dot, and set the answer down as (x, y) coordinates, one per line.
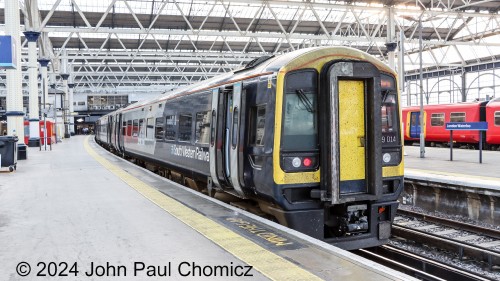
(212, 130)
(202, 127)
(457, 117)
(141, 128)
(124, 128)
(185, 122)
(135, 128)
(150, 128)
(497, 118)
(170, 127)
(437, 119)
(159, 128)
(129, 128)
(235, 128)
(258, 119)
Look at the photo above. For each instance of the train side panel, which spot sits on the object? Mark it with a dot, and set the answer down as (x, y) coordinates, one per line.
(493, 119)
(436, 117)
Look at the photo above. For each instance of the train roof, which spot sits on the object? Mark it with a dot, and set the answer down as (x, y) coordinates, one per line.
(494, 103)
(285, 62)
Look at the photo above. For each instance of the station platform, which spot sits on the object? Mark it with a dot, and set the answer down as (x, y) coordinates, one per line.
(464, 170)
(81, 211)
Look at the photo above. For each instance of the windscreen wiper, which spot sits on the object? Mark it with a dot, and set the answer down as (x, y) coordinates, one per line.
(306, 102)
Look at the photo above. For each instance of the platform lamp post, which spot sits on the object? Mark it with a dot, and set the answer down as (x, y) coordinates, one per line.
(34, 117)
(65, 77)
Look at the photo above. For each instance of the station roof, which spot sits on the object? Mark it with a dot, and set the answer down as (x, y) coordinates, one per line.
(129, 45)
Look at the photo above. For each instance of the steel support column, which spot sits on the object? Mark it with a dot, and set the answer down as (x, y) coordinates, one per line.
(45, 84)
(65, 105)
(71, 117)
(34, 116)
(391, 38)
(15, 112)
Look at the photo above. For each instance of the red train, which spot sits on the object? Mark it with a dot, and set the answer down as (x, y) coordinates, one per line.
(436, 116)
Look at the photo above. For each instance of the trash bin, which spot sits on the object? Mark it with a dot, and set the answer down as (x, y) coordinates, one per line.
(8, 152)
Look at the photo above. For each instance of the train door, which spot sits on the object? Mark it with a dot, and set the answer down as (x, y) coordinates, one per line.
(109, 130)
(351, 132)
(214, 144)
(415, 124)
(225, 166)
(120, 132)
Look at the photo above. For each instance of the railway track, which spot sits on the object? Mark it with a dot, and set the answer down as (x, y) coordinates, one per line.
(417, 266)
(464, 240)
(493, 233)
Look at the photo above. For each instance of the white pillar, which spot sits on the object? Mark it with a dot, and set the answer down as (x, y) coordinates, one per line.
(401, 63)
(15, 113)
(45, 98)
(45, 83)
(391, 40)
(34, 116)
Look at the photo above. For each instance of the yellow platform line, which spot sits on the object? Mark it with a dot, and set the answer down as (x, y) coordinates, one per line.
(264, 261)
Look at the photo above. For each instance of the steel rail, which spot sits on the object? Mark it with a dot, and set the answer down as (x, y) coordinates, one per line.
(493, 233)
(415, 265)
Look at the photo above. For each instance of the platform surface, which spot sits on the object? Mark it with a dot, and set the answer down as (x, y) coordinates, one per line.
(465, 167)
(78, 204)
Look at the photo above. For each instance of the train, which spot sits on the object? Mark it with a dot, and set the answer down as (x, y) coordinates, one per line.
(310, 139)
(436, 116)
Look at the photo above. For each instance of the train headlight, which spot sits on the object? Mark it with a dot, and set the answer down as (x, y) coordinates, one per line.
(386, 157)
(300, 163)
(296, 162)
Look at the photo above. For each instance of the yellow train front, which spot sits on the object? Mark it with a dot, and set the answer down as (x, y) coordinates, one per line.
(337, 153)
(310, 138)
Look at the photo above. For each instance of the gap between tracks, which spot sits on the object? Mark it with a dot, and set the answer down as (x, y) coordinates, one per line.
(264, 261)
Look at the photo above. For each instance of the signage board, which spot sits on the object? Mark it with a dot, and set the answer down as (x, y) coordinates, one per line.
(472, 126)
(7, 52)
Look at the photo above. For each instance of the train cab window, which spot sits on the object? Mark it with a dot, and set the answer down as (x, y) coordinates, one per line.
(135, 128)
(202, 127)
(150, 128)
(159, 128)
(170, 127)
(437, 119)
(390, 119)
(142, 129)
(457, 117)
(497, 118)
(258, 122)
(300, 125)
(185, 124)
